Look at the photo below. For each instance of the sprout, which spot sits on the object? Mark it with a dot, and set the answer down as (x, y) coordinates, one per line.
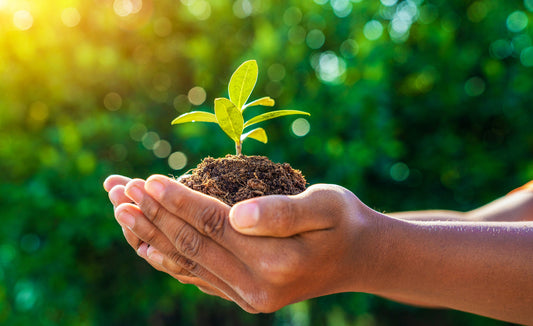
(228, 112)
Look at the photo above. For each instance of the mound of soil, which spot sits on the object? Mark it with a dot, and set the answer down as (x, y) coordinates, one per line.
(236, 178)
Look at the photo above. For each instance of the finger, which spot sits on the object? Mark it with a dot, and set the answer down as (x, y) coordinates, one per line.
(154, 257)
(118, 196)
(170, 234)
(285, 216)
(209, 217)
(205, 213)
(115, 180)
(213, 292)
(187, 246)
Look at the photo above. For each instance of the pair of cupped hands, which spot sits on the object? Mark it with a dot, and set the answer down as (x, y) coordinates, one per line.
(263, 253)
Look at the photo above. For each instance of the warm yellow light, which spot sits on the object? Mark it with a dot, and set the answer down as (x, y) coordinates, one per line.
(71, 17)
(23, 20)
(125, 8)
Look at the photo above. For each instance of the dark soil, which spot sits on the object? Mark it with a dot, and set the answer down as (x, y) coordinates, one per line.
(235, 178)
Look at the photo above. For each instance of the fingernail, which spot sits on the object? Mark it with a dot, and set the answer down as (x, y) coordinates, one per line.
(135, 193)
(156, 256)
(113, 198)
(246, 216)
(126, 219)
(142, 250)
(154, 188)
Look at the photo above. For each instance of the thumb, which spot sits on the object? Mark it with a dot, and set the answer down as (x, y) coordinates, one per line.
(285, 216)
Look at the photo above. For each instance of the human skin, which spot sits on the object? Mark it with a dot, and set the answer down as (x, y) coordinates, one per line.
(325, 241)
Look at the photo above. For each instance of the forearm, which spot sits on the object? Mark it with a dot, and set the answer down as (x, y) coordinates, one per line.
(483, 268)
(514, 207)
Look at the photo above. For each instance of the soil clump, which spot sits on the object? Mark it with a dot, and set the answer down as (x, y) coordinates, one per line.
(235, 178)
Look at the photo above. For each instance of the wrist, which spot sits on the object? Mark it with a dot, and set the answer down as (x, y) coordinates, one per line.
(371, 258)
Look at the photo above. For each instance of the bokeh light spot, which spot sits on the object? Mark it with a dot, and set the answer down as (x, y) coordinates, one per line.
(517, 21)
(23, 20)
(177, 160)
(112, 101)
(475, 86)
(150, 139)
(526, 57)
(520, 42)
(349, 49)
(300, 127)
(341, 8)
(137, 131)
(389, 3)
(26, 296)
(501, 49)
(242, 8)
(125, 8)
(315, 39)
(330, 68)
(39, 111)
(30, 242)
(162, 149)
(197, 95)
(399, 172)
(297, 34)
(292, 16)
(201, 9)
(529, 5)
(118, 153)
(181, 103)
(86, 162)
(276, 72)
(161, 82)
(70, 17)
(477, 11)
(7, 254)
(373, 30)
(162, 26)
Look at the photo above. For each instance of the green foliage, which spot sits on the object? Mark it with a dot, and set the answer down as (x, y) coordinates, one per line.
(415, 104)
(229, 112)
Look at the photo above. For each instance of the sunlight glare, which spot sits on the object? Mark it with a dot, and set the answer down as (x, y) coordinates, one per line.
(70, 17)
(125, 8)
(23, 20)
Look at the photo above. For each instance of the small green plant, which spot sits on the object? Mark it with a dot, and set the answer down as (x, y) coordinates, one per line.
(229, 112)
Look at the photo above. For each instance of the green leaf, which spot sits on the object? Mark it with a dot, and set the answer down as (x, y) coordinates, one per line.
(257, 134)
(194, 117)
(264, 101)
(272, 115)
(229, 118)
(242, 82)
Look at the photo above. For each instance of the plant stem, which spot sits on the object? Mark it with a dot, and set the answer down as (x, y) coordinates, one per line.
(238, 148)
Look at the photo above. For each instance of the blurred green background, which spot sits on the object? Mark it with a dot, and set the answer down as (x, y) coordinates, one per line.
(415, 104)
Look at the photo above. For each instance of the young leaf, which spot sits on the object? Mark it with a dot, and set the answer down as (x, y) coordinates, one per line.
(195, 116)
(264, 101)
(272, 115)
(242, 82)
(229, 118)
(257, 134)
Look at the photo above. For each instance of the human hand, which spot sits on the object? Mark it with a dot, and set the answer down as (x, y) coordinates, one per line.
(319, 242)
(115, 186)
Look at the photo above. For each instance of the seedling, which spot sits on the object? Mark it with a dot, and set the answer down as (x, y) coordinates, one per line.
(229, 112)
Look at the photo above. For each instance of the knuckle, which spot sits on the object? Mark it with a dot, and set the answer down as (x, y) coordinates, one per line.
(188, 266)
(153, 211)
(188, 242)
(283, 219)
(151, 235)
(213, 222)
